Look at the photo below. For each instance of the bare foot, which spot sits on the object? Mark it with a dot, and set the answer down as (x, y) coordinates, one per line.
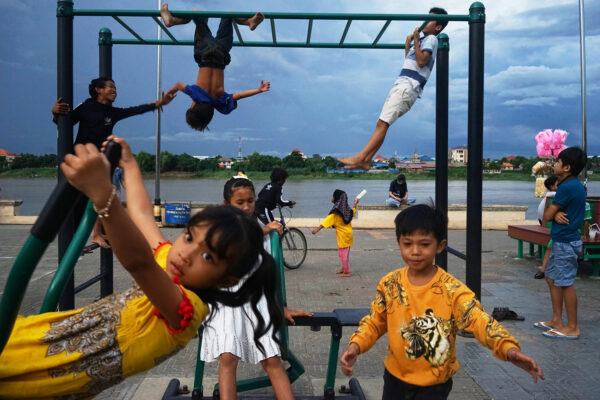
(554, 325)
(166, 15)
(169, 19)
(98, 239)
(356, 162)
(341, 271)
(255, 20)
(344, 275)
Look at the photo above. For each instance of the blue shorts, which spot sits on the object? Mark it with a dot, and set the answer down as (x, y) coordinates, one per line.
(562, 265)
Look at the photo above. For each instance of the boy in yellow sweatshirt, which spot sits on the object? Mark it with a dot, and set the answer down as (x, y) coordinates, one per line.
(421, 307)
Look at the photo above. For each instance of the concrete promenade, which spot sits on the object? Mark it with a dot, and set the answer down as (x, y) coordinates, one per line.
(572, 367)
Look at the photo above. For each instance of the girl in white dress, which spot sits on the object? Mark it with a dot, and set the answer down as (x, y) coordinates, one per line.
(228, 336)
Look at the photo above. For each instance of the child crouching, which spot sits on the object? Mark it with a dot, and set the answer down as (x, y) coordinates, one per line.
(421, 307)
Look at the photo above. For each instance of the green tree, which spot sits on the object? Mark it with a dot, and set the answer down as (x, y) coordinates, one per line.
(168, 161)
(26, 160)
(259, 162)
(294, 160)
(3, 162)
(331, 162)
(145, 161)
(185, 162)
(209, 164)
(313, 165)
(48, 160)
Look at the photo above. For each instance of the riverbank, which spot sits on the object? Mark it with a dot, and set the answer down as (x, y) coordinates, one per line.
(296, 175)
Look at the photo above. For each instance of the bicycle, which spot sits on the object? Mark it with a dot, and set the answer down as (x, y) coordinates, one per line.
(293, 243)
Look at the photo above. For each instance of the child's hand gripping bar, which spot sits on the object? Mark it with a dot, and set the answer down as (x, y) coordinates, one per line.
(63, 200)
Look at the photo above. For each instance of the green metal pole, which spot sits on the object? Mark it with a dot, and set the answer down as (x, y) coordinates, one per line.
(64, 70)
(441, 136)
(475, 146)
(67, 265)
(274, 15)
(16, 285)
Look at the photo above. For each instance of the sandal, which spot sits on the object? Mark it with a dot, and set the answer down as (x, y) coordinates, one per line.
(539, 275)
(502, 313)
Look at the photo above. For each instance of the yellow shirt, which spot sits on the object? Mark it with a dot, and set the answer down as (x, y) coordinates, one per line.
(82, 352)
(421, 323)
(343, 231)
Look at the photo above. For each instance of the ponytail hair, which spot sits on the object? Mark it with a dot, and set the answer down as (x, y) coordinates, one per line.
(237, 238)
(235, 182)
(98, 83)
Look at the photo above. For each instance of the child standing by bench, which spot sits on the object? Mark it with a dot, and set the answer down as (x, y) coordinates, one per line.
(567, 213)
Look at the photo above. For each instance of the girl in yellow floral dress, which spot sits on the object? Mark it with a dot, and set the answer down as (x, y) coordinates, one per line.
(81, 352)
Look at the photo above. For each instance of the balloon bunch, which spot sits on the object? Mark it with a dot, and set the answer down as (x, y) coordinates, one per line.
(550, 143)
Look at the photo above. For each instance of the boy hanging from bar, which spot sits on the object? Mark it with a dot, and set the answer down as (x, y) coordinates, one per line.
(212, 55)
(416, 69)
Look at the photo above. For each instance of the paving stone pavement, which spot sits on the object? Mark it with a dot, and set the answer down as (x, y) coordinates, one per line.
(571, 366)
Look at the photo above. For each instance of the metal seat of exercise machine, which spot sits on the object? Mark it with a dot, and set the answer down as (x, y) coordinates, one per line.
(350, 316)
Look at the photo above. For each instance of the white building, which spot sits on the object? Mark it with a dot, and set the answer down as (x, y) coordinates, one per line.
(460, 154)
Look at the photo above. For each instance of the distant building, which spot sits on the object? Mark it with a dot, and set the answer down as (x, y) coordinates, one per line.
(202, 157)
(299, 152)
(511, 158)
(460, 154)
(10, 157)
(225, 163)
(380, 159)
(507, 166)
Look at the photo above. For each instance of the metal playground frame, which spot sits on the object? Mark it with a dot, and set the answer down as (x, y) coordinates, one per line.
(65, 13)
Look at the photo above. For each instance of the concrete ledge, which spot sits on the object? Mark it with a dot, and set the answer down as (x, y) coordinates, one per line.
(369, 216)
(9, 213)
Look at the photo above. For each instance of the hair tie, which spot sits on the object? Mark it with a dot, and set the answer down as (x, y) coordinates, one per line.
(247, 276)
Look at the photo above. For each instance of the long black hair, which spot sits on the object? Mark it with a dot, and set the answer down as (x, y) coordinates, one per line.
(237, 238)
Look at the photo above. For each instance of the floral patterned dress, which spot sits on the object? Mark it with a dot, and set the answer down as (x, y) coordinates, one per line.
(78, 353)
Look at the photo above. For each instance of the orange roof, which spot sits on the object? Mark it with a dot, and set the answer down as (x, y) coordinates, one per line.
(510, 158)
(507, 164)
(5, 153)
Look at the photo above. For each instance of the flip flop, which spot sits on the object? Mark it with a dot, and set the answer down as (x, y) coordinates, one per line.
(344, 275)
(539, 275)
(553, 334)
(542, 325)
(502, 313)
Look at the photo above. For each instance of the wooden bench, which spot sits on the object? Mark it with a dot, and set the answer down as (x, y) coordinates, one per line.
(540, 235)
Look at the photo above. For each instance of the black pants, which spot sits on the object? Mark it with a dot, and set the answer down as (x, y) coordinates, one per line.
(210, 51)
(395, 389)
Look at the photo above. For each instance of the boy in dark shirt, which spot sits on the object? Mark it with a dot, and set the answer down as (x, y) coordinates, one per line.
(271, 195)
(398, 192)
(212, 55)
(96, 116)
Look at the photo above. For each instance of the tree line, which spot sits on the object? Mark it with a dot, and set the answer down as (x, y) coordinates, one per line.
(254, 162)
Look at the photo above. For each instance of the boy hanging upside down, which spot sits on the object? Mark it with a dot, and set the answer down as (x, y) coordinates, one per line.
(212, 55)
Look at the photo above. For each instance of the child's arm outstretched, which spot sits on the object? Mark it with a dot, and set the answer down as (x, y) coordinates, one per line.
(525, 362)
(88, 171)
(264, 87)
(139, 205)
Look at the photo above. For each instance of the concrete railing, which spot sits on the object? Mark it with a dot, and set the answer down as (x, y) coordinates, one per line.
(369, 216)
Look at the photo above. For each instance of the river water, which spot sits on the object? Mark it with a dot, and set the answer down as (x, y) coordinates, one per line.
(313, 196)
